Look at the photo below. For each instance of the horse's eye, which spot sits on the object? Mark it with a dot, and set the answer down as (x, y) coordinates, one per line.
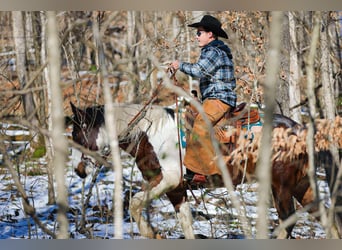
(84, 125)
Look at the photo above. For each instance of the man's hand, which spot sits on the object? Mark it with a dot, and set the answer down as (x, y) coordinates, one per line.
(175, 65)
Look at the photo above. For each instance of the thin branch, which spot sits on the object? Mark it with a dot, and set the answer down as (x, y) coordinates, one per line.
(26, 87)
(311, 125)
(29, 210)
(113, 138)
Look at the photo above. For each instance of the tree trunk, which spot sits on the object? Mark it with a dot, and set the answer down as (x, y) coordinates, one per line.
(282, 93)
(113, 138)
(263, 168)
(19, 36)
(132, 49)
(326, 222)
(48, 121)
(329, 112)
(188, 48)
(294, 88)
(327, 83)
(59, 141)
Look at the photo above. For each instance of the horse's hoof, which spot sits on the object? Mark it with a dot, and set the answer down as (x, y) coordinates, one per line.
(160, 237)
(81, 170)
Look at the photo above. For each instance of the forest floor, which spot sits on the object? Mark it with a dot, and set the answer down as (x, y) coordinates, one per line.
(214, 217)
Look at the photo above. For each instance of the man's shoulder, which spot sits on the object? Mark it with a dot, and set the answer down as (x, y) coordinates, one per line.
(211, 48)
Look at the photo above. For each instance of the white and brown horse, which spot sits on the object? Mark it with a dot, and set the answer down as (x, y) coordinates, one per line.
(154, 143)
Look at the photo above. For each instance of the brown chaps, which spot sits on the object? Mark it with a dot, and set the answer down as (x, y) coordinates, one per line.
(200, 153)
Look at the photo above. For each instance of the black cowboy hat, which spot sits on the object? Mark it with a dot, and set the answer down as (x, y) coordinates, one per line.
(210, 23)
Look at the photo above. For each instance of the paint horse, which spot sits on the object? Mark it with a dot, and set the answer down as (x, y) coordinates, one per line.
(154, 144)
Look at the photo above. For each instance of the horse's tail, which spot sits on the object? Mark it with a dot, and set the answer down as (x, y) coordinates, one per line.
(328, 134)
(287, 123)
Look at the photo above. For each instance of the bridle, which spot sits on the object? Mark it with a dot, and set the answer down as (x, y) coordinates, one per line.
(84, 131)
(172, 73)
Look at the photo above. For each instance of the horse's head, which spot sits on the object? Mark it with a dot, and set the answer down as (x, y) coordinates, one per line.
(86, 123)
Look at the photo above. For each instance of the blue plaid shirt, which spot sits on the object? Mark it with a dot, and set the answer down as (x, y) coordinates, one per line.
(215, 69)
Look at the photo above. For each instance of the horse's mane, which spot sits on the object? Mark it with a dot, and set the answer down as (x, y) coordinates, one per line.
(152, 120)
(95, 114)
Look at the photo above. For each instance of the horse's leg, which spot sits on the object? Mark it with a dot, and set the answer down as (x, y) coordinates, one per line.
(142, 199)
(137, 204)
(284, 204)
(178, 199)
(304, 193)
(325, 159)
(148, 163)
(284, 176)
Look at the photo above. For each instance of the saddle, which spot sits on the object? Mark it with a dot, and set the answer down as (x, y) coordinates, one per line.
(240, 117)
(229, 127)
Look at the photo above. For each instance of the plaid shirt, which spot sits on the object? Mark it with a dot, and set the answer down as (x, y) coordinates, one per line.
(215, 69)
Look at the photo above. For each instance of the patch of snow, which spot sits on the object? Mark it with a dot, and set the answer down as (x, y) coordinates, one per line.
(213, 217)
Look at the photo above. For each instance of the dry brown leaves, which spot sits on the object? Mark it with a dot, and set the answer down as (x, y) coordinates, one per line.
(328, 132)
(287, 146)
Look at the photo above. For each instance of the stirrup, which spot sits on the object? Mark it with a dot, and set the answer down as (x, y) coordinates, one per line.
(195, 178)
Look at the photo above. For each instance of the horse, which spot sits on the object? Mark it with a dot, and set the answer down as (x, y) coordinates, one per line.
(155, 144)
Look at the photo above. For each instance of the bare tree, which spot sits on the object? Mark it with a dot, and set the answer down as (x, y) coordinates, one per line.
(114, 143)
(312, 103)
(165, 35)
(326, 69)
(22, 63)
(133, 38)
(47, 121)
(25, 29)
(329, 111)
(28, 208)
(264, 164)
(59, 141)
(294, 69)
(326, 218)
(282, 93)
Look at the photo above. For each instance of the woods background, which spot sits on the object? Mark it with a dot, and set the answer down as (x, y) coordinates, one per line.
(138, 45)
(131, 37)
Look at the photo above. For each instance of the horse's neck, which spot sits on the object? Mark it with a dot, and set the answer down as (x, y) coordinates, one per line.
(156, 122)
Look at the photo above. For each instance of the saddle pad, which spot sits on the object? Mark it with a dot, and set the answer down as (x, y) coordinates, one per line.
(247, 117)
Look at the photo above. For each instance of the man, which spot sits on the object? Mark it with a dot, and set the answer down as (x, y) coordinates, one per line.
(215, 69)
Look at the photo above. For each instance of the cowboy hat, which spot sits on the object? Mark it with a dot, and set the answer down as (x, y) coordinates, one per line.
(210, 23)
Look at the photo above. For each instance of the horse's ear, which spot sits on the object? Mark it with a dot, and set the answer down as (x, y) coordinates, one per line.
(78, 113)
(73, 107)
(76, 110)
(68, 121)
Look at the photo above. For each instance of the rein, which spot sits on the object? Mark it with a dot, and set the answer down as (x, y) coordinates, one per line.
(175, 82)
(140, 114)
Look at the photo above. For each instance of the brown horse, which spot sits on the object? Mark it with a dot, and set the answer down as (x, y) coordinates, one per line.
(154, 144)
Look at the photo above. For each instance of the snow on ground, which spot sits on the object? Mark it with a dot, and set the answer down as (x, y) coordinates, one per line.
(214, 217)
